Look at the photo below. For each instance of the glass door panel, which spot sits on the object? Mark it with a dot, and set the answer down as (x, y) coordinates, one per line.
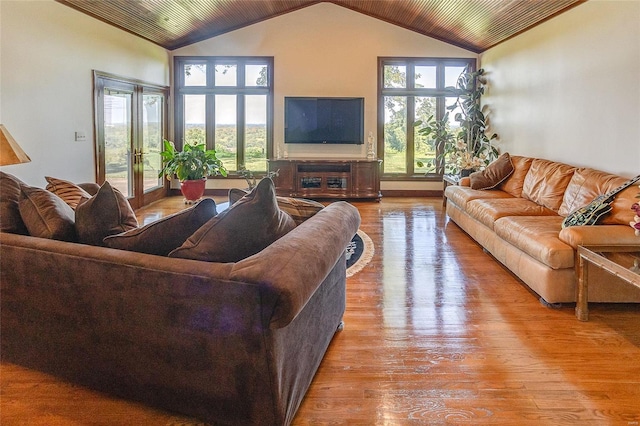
(152, 139)
(118, 137)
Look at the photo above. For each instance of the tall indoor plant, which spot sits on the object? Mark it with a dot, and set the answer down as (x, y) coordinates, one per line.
(469, 147)
(471, 115)
(191, 166)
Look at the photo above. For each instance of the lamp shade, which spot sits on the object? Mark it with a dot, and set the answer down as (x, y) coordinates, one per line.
(10, 151)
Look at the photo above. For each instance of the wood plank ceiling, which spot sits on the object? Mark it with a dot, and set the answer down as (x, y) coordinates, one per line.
(475, 25)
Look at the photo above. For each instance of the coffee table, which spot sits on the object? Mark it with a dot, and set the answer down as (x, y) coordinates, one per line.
(623, 261)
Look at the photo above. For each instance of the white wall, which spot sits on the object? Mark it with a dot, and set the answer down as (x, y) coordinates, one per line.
(569, 89)
(325, 50)
(48, 54)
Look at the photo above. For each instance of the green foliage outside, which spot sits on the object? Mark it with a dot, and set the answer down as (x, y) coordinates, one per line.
(255, 153)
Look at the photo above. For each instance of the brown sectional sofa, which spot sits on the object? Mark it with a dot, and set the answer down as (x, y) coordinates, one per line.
(230, 343)
(519, 222)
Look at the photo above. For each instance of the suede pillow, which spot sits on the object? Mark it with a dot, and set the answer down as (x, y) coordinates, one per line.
(494, 174)
(300, 209)
(10, 219)
(46, 215)
(247, 227)
(166, 234)
(70, 193)
(106, 213)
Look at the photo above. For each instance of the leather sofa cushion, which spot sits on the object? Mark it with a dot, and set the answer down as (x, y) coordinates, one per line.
(166, 234)
(493, 175)
(70, 193)
(546, 182)
(586, 184)
(246, 228)
(538, 237)
(513, 184)
(10, 219)
(46, 215)
(106, 213)
(487, 211)
(461, 195)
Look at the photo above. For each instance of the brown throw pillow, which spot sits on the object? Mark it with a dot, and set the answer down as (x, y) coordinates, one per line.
(106, 213)
(494, 174)
(10, 219)
(46, 215)
(70, 193)
(246, 228)
(166, 234)
(300, 209)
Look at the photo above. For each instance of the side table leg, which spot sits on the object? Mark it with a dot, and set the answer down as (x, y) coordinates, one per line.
(582, 308)
(444, 197)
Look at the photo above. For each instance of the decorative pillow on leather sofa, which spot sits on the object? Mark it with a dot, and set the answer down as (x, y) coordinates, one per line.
(246, 228)
(46, 215)
(70, 193)
(300, 209)
(106, 213)
(10, 219)
(494, 174)
(166, 234)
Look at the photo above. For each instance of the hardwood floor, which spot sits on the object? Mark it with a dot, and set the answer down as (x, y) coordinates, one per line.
(436, 332)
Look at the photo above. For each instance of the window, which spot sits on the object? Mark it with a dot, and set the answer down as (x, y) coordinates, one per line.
(227, 104)
(413, 89)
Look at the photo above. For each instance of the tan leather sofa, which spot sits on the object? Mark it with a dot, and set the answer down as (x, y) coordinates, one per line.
(519, 223)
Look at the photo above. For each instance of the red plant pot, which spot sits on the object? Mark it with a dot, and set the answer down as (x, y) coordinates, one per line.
(192, 190)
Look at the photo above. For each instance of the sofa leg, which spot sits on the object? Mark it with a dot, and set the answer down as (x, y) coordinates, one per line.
(550, 305)
(340, 326)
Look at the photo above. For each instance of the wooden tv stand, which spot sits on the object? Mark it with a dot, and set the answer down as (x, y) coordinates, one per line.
(313, 178)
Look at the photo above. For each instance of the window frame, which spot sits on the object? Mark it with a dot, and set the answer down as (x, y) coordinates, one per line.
(410, 92)
(210, 90)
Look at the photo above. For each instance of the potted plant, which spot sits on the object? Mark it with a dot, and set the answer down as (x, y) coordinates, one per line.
(191, 166)
(472, 116)
(469, 148)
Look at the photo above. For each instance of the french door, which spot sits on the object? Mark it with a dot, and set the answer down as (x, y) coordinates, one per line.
(130, 126)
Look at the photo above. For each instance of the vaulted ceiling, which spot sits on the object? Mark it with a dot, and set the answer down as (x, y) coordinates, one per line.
(475, 25)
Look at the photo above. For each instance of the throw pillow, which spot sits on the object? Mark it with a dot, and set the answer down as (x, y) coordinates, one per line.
(166, 234)
(300, 209)
(494, 174)
(46, 215)
(10, 219)
(247, 227)
(106, 213)
(70, 193)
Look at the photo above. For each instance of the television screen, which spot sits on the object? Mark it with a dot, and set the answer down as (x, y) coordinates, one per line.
(324, 120)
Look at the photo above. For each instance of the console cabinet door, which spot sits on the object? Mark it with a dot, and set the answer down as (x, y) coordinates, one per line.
(366, 180)
(286, 179)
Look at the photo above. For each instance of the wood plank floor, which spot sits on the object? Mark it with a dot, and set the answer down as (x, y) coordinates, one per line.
(436, 332)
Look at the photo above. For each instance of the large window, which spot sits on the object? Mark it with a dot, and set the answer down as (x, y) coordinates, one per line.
(413, 89)
(226, 103)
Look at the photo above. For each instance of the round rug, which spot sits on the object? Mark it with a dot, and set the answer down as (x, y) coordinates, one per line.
(359, 253)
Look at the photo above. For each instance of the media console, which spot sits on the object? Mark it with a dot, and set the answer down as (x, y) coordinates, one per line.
(313, 178)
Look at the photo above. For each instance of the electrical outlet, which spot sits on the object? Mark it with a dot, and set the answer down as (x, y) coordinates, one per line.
(81, 136)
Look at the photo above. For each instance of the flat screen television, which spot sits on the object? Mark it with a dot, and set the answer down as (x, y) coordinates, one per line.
(324, 120)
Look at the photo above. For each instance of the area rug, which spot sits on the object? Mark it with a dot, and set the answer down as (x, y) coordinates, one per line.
(359, 253)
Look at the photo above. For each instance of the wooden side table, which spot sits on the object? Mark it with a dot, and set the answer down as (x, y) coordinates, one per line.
(446, 181)
(619, 260)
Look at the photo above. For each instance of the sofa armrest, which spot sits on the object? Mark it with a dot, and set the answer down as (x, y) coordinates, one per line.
(598, 235)
(294, 266)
